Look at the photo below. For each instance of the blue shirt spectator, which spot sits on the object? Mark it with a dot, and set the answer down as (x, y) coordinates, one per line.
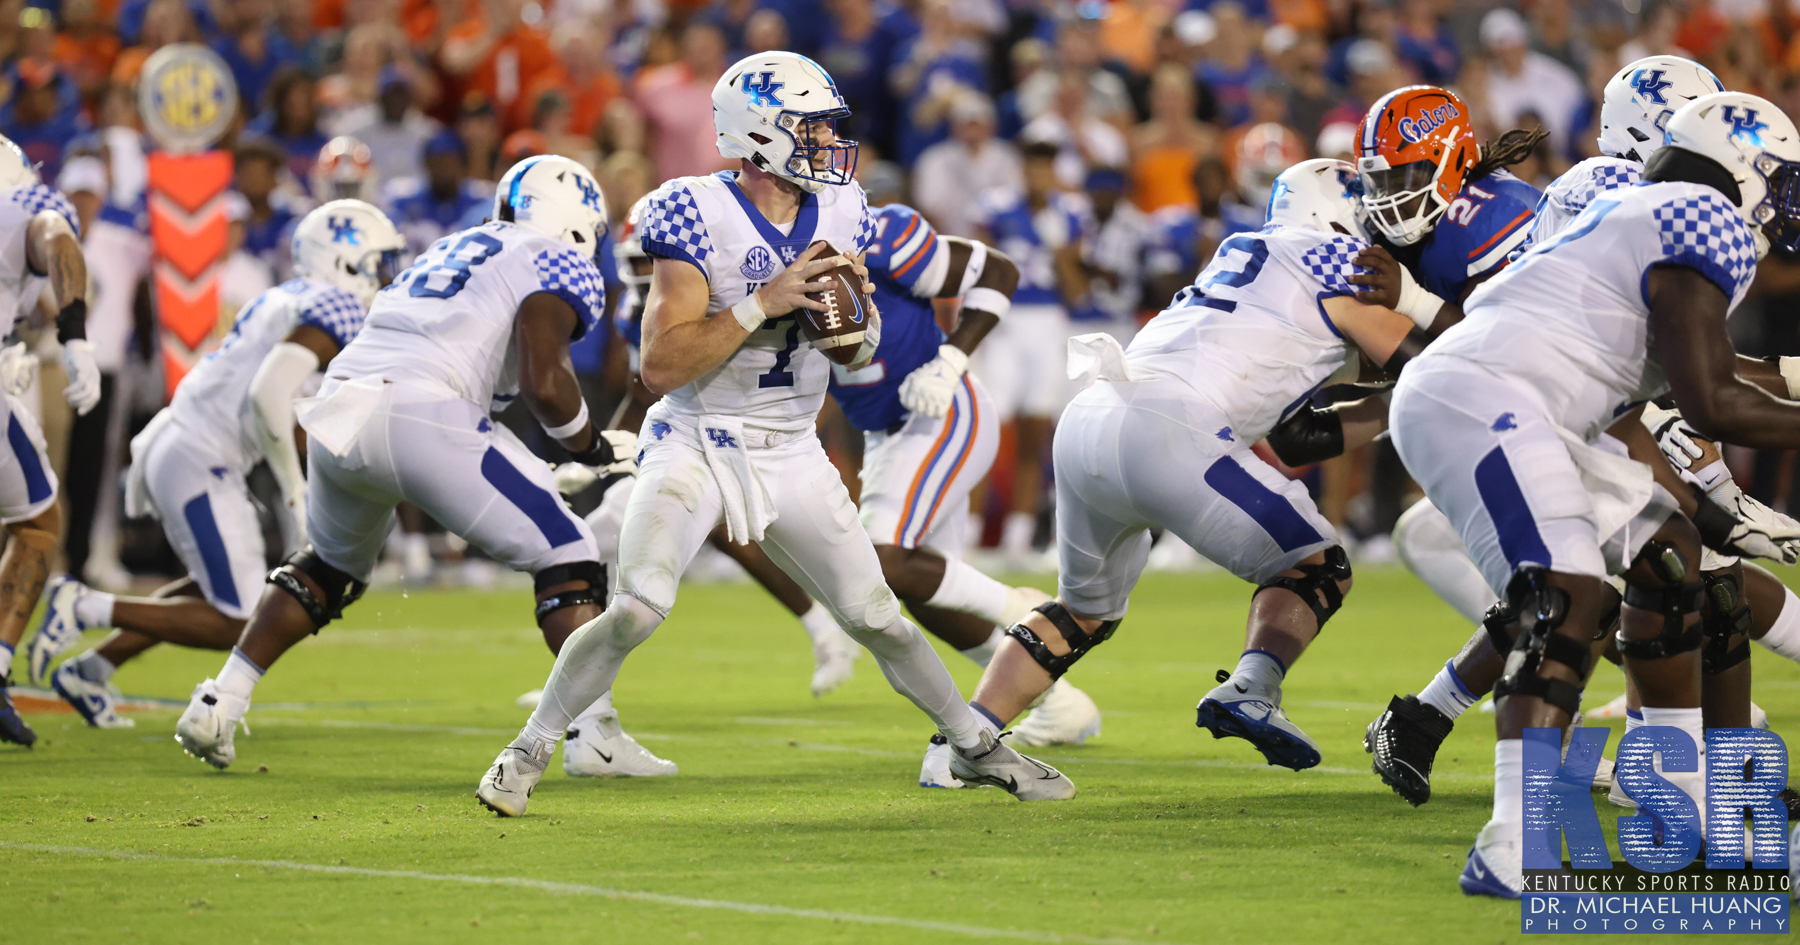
(859, 53)
(43, 115)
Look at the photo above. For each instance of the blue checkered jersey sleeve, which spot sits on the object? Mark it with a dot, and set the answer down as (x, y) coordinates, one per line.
(1605, 177)
(333, 311)
(865, 228)
(1704, 233)
(672, 227)
(904, 245)
(1332, 263)
(36, 198)
(572, 277)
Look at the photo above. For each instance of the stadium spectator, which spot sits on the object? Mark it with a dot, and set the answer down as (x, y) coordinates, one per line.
(496, 51)
(1078, 52)
(951, 175)
(934, 70)
(163, 22)
(1424, 43)
(1029, 61)
(425, 210)
(676, 101)
(269, 210)
(44, 113)
(583, 77)
(84, 47)
(766, 30)
(1083, 140)
(1521, 81)
(1165, 148)
(859, 52)
(291, 120)
(394, 130)
(479, 130)
(1301, 65)
(1233, 64)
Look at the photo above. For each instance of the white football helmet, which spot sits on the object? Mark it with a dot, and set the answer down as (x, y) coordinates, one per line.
(554, 196)
(1638, 102)
(764, 106)
(1320, 194)
(1757, 145)
(15, 168)
(349, 244)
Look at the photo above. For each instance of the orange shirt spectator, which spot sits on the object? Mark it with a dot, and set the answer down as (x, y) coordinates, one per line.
(85, 51)
(676, 100)
(584, 78)
(493, 52)
(1704, 30)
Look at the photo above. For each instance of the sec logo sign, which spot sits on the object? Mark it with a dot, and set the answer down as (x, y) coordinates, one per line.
(187, 97)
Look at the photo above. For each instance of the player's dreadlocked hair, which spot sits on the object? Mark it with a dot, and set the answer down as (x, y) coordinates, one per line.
(1505, 151)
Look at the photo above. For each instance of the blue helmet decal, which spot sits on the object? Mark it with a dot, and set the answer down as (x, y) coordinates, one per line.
(761, 87)
(1745, 127)
(1650, 84)
(343, 230)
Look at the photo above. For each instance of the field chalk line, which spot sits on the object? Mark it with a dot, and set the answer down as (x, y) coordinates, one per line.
(581, 889)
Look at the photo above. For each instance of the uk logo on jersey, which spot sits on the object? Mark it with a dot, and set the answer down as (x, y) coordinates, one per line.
(761, 87)
(1651, 85)
(343, 230)
(1745, 127)
(758, 265)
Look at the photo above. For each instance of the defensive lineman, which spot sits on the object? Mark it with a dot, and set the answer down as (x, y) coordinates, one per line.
(483, 315)
(733, 436)
(39, 249)
(234, 410)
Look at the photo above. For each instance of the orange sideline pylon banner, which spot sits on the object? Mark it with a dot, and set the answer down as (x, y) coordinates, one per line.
(189, 235)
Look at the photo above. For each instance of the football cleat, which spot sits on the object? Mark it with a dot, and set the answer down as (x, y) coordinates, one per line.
(58, 630)
(1616, 794)
(1404, 741)
(1791, 798)
(1257, 718)
(1066, 716)
(98, 703)
(596, 747)
(1020, 602)
(997, 765)
(530, 699)
(507, 786)
(1495, 867)
(205, 730)
(1603, 775)
(13, 728)
(834, 658)
(935, 772)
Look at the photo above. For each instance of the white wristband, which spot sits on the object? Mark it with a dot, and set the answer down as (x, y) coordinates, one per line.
(1790, 372)
(984, 299)
(978, 254)
(573, 426)
(749, 312)
(955, 357)
(1416, 302)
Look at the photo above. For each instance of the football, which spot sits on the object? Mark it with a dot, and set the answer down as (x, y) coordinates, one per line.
(837, 331)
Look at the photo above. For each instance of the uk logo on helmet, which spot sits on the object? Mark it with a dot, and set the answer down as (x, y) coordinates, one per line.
(343, 230)
(590, 194)
(761, 87)
(1414, 130)
(1745, 127)
(1650, 84)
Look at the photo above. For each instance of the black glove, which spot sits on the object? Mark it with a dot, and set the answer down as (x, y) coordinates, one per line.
(1308, 436)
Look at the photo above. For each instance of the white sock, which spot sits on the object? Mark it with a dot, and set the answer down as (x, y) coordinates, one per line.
(1259, 670)
(94, 609)
(6, 655)
(912, 667)
(588, 664)
(1509, 781)
(1689, 721)
(1446, 692)
(982, 654)
(969, 591)
(818, 624)
(238, 679)
(1018, 531)
(1784, 637)
(95, 668)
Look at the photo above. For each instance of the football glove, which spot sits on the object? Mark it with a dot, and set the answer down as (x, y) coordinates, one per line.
(83, 391)
(930, 389)
(18, 369)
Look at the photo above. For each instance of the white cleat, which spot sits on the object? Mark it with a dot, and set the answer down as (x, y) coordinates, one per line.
(97, 702)
(596, 747)
(935, 772)
(1758, 718)
(507, 786)
(997, 765)
(1603, 775)
(58, 630)
(1020, 602)
(1066, 716)
(1612, 710)
(1496, 863)
(206, 728)
(834, 658)
(1256, 717)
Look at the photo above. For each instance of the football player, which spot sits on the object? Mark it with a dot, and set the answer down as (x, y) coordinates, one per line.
(732, 438)
(482, 316)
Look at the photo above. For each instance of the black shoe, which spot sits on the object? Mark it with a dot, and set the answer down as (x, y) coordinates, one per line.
(12, 728)
(1791, 798)
(1404, 741)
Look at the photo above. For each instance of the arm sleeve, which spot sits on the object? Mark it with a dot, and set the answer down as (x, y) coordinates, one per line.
(272, 392)
(672, 228)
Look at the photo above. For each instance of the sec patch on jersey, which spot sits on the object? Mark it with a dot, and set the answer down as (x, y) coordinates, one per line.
(838, 330)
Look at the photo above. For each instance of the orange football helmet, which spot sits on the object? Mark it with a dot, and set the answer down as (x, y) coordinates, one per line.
(345, 171)
(1414, 150)
(1262, 154)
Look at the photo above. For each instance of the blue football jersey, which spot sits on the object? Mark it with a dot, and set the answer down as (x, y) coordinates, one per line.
(1032, 238)
(904, 250)
(1484, 224)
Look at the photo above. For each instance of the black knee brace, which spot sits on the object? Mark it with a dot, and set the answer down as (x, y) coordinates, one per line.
(1727, 615)
(1079, 642)
(1541, 607)
(1498, 623)
(341, 590)
(1675, 598)
(1318, 580)
(593, 572)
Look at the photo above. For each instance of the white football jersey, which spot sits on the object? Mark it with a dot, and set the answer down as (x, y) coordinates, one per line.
(777, 379)
(1571, 193)
(1251, 335)
(212, 404)
(19, 286)
(1569, 322)
(448, 320)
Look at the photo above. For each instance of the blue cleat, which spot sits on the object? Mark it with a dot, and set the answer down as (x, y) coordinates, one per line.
(1256, 717)
(1494, 866)
(59, 629)
(12, 728)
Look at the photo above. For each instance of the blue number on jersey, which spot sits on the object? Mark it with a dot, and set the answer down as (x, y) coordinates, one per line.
(1258, 252)
(458, 267)
(1589, 219)
(779, 375)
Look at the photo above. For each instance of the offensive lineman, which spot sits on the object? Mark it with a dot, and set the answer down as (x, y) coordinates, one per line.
(483, 314)
(234, 410)
(733, 436)
(40, 250)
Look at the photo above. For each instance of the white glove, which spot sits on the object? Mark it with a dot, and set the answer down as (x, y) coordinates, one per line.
(83, 391)
(871, 338)
(574, 477)
(929, 389)
(18, 369)
(1762, 526)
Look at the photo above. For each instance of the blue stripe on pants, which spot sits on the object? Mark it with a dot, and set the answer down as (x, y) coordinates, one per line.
(37, 485)
(213, 555)
(544, 509)
(1267, 508)
(1505, 502)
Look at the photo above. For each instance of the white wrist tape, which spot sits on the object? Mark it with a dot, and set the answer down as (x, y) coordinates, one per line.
(749, 312)
(978, 255)
(1417, 302)
(955, 357)
(571, 428)
(1790, 372)
(984, 299)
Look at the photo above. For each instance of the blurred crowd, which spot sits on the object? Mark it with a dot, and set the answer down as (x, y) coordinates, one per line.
(1158, 124)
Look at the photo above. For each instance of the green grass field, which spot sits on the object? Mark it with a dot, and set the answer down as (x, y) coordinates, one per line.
(350, 815)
